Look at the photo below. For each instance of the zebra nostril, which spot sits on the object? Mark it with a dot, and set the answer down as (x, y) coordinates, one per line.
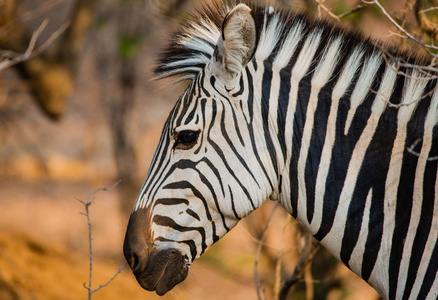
(135, 262)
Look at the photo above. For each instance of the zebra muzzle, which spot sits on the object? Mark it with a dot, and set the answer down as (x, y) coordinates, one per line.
(163, 270)
(155, 269)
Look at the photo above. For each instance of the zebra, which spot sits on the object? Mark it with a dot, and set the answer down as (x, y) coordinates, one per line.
(292, 108)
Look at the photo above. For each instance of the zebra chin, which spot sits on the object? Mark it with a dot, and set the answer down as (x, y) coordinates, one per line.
(156, 269)
(162, 272)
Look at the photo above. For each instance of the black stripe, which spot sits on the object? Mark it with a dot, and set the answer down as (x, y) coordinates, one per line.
(237, 128)
(251, 128)
(190, 243)
(188, 164)
(191, 115)
(233, 148)
(372, 175)
(283, 103)
(168, 222)
(375, 231)
(341, 156)
(203, 104)
(431, 273)
(250, 94)
(224, 161)
(180, 185)
(171, 201)
(319, 131)
(161, 154)
(426, 217)
(265, 103)
(185, 100)
(303, 96)
(241, 89)
(316, 145)
(376, 163)
(193, 214)
(404, 206)
(201, 84)
(233, 206)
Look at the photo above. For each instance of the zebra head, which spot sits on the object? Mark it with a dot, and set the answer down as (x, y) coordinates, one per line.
(209, 170)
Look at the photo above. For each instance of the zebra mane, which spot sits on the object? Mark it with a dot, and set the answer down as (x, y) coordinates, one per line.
(192, 47)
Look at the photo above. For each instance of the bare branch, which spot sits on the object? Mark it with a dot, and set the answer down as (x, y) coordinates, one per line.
(87, 203)
(111, 279)
(324, 8)
(428, 9)
(32, 50)
(413, 152)
(356, 9)
(390, 104)
(401, 29)
(338, 17)
(398, 62)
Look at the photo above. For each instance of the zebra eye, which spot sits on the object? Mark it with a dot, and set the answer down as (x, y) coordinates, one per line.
(186, 139)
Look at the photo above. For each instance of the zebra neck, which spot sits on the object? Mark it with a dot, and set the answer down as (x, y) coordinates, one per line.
(340, 152)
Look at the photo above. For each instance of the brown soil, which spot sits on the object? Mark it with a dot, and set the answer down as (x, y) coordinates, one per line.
(44, 250)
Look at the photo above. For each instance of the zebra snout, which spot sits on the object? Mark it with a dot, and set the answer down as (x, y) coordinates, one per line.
(159, 270)
(155, 269)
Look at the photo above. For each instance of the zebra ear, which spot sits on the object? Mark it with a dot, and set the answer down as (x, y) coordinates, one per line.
(237, 43)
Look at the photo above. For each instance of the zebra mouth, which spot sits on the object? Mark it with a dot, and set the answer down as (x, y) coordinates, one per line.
(163, 271)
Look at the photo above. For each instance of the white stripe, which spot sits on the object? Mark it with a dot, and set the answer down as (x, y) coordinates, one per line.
(333, 239)
(339, 90)
(362, 87)
(298, 71)
(268, 39)
(380, 103)
(320, 78)
(356, 258)
(307, 53)
(327, 64)
(281, 60)
(288, 47)
(273, 115)
(433, 293)
(431, 121)
(415, 86)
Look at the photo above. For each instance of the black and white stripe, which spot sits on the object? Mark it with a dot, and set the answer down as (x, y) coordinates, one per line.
(319, 120)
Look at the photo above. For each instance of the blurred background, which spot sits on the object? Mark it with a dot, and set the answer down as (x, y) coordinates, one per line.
(79, 112)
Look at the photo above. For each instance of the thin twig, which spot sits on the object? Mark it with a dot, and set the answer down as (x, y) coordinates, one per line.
(111, 279)
(323, 7)
(398, 62)
(413, 152)
(356, 9)
(32, 50)
(87, 203)
(428, 9)
(338, 17)
(401, 29)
